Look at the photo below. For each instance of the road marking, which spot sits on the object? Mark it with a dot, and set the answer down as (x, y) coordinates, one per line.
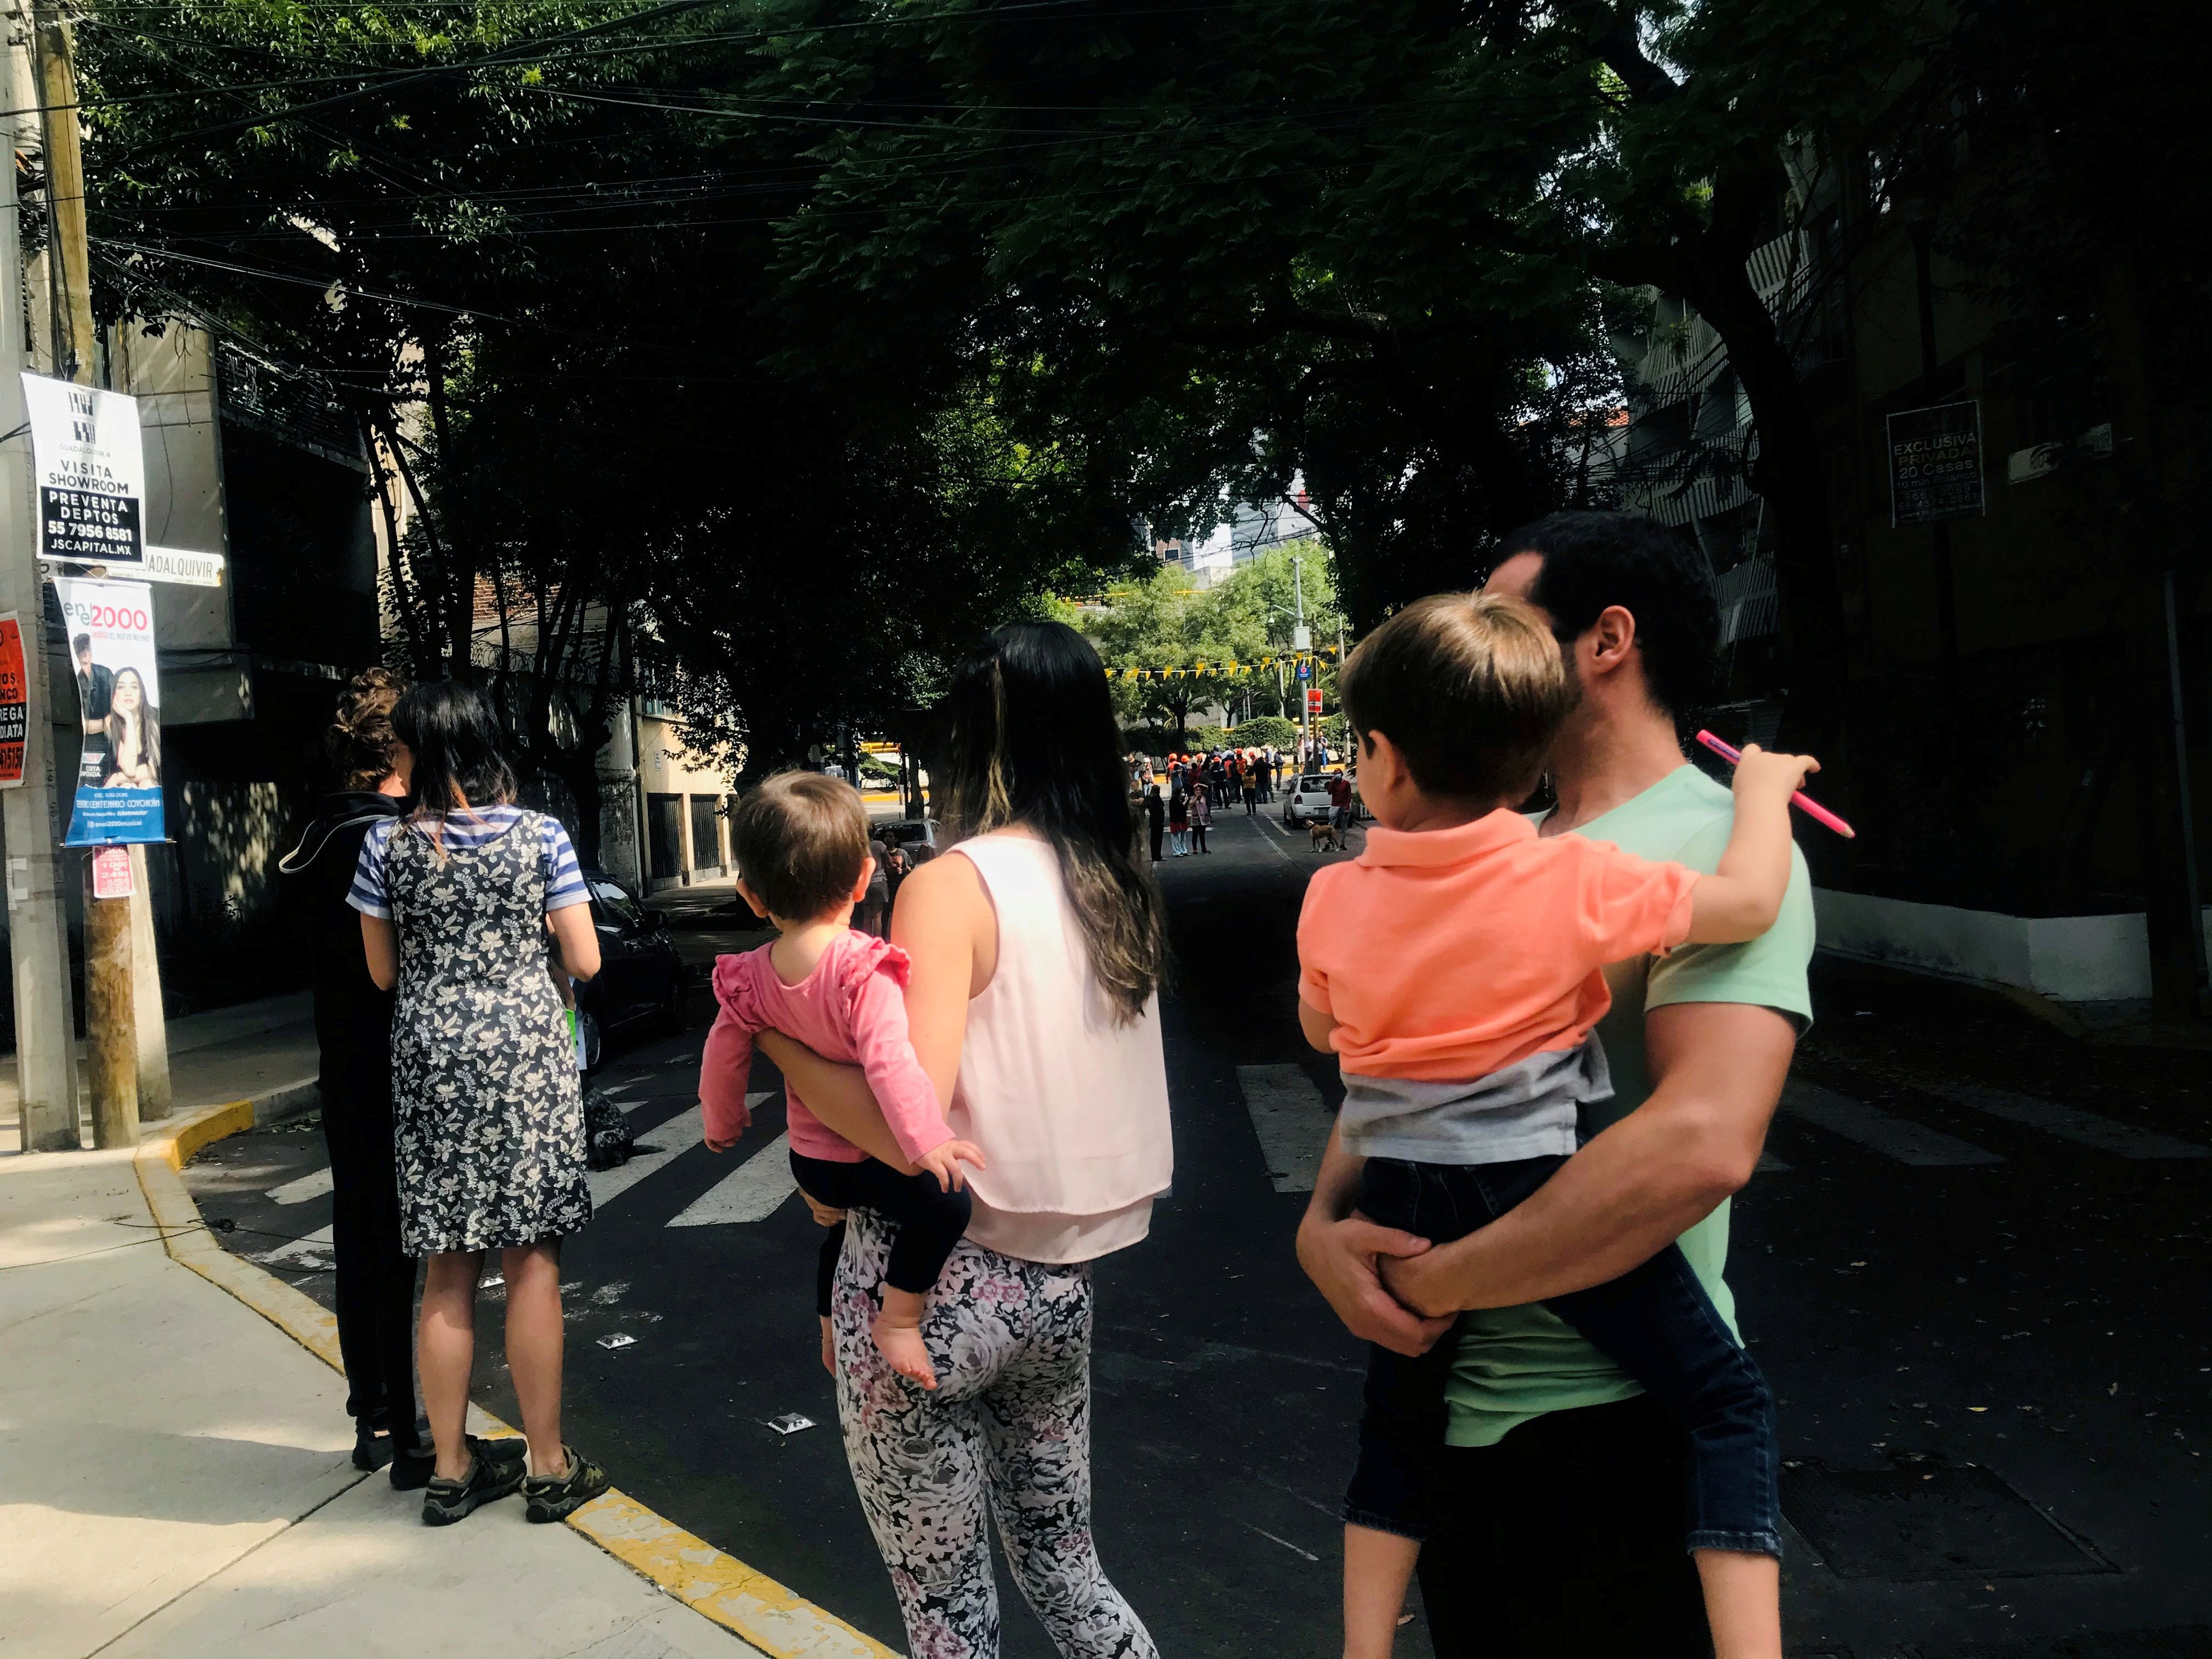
(314, 1243)
(1770, 1164)
(1291, 1119)
(679, 1135)
(1893, 1137)
(299, 1191)
(2069, 1123)
(753, 1191)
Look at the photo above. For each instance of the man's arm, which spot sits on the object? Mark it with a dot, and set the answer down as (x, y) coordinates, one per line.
(1339, 1249)
(1717, 1070)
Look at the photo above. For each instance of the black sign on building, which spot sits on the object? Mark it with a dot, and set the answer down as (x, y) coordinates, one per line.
(1935, 464)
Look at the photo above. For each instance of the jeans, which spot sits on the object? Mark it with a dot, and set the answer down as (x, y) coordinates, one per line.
(1563, 1541)
(929, 1220)
(1655, 1322)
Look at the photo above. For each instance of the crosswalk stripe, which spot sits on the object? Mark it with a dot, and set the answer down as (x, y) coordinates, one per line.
(299, 1191)
(679, 1135)
(2070, 1123)
(312, 1244)
(1893, 1137)
(753, 1191)
(1291, 1120)
(1770, 1164)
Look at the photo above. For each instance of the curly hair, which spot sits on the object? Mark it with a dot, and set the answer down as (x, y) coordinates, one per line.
(357, 748)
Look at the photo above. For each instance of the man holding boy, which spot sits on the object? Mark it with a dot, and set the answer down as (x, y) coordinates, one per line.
(1569, 1541)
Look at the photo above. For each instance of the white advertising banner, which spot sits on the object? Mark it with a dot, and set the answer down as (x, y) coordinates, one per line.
(91, 473)
(110, 628)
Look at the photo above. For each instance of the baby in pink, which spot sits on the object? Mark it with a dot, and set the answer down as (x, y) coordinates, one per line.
(801, 843)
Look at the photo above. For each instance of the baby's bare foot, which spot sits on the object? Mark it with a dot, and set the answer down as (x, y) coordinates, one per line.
(901, 1345)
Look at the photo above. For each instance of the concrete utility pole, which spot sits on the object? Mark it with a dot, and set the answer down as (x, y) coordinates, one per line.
(112, 991)
(38, 932)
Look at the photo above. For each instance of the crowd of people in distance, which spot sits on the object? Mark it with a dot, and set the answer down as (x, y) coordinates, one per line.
(1562, 1432)
(1178, 813)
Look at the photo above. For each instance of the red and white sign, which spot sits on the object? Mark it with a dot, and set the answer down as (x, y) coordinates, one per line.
(111, 873)
(14, 702)
(1313, 700)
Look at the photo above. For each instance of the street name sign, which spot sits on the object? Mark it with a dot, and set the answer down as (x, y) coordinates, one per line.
(181, 565)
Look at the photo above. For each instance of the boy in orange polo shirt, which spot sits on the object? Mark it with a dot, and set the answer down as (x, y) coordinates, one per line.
(1454, 968)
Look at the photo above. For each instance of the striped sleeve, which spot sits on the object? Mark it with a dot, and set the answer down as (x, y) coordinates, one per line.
(564, 878)
(367, 895)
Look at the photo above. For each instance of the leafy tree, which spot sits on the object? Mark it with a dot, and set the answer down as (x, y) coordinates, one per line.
(1197, 649)
(570, 371)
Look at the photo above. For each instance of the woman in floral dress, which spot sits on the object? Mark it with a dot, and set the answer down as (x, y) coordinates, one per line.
(457, 897)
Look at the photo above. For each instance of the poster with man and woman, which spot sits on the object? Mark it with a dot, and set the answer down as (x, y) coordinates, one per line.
(118, 783)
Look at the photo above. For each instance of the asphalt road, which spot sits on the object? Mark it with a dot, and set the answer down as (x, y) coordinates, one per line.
(1974, 1268)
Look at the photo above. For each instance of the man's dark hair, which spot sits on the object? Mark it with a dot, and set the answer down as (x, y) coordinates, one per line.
(81, 645)
(799, 839)
(1594, 559)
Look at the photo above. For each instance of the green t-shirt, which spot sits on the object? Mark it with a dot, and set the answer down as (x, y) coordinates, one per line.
(1514, 1363)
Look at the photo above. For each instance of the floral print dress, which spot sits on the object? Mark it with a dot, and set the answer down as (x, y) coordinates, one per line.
(488, 1118)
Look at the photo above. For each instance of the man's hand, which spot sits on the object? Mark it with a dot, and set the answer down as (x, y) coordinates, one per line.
(1419, 1284)
(1343, 1260)
(944, 1161)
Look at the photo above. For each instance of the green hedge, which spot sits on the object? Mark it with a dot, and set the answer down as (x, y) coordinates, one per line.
(1157, 740)
(1262, 729)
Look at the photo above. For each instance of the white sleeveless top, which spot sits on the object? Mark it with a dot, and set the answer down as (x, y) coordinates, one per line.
(1068, 1104)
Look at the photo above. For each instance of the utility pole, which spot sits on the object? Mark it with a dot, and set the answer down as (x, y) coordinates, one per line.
(38, 931)
(111, 984)
(1302, 643)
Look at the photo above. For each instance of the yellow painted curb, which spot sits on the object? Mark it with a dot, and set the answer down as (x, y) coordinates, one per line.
(778, 1621)
(773, 1618)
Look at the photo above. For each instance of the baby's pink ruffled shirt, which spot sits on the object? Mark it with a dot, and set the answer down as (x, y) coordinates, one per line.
(849, 1009)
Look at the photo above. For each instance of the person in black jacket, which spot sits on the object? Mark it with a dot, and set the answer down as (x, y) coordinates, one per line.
(375, 1280)
(1156, 816)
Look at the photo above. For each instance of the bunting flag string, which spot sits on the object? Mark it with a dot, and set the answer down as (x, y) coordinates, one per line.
(1205, 670)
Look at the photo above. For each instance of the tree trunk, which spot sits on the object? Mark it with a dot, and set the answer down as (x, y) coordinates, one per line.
(1792, 478)
(2151, 535)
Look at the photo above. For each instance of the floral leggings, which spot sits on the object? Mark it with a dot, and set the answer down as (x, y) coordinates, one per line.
(1010, 1420)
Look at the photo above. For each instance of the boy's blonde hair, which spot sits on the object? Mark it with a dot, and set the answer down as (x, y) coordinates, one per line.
(800, 840)
(1471, 689)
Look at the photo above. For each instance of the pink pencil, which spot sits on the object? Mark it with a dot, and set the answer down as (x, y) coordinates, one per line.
(1811, 808)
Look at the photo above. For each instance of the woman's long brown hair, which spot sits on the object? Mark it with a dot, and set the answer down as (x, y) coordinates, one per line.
(1033, 743)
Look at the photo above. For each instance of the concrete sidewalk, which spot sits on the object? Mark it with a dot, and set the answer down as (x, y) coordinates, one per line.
(263, 1052)
(175, 1477)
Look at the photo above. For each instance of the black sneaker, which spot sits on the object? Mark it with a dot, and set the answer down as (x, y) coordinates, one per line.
(444, 1502)
(412, 1470)
(558, 1496)
(372, 1446)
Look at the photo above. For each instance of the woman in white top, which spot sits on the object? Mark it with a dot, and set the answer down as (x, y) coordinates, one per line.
(1033, 1006)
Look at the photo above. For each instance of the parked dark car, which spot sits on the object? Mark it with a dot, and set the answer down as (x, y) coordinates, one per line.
(640, 986)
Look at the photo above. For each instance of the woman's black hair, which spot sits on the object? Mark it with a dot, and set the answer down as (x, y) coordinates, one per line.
(455, 739)
(1035, 742)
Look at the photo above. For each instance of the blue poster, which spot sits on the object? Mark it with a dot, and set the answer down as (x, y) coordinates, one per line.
(110, 629)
